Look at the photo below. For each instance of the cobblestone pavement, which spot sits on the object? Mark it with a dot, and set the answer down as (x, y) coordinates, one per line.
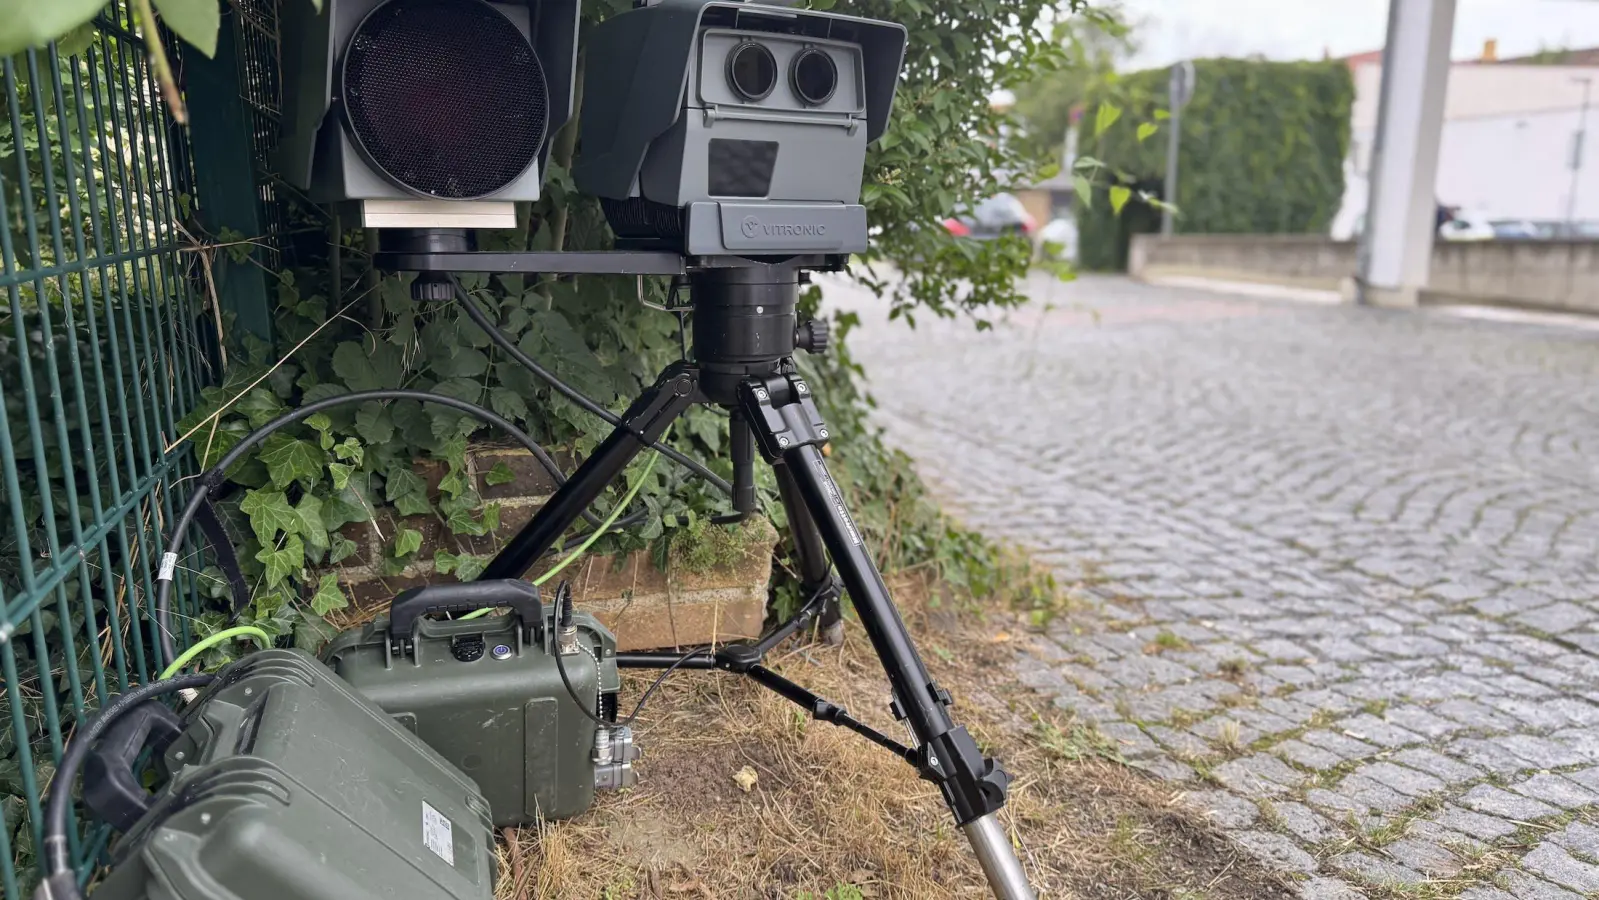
(1338, 564)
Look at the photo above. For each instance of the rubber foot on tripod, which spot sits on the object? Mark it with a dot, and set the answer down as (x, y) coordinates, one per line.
(833, 635)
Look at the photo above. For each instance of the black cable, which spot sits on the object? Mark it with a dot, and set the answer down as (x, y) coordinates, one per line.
(210, 478)
(504, 342)
(58, 859)
(563, 600)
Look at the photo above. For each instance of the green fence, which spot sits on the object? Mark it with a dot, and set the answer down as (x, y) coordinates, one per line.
(109, 329)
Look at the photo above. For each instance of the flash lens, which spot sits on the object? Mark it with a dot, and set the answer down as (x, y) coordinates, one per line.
(752, 71)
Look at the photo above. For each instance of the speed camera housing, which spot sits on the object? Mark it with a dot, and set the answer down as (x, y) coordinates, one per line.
(725, 128)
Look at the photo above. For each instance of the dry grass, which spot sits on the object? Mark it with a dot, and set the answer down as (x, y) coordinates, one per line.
(833, 817)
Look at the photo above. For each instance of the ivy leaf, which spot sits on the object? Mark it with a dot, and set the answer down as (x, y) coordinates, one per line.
(374, 424)
(329, 596)
(341, 548)
(311, 634)
(444, 562)
(1105, 117)
(461, 522)
(196, 21)
(290, 459)
(269, 513)
(283, 562)
(310, 527)
(406, 542)
(404, 481)
(468, 568)
(349, 450)
(323, 426)
(454, 483)
(1146, 131)
(339, 473)
(1118, 198)
(500, 474)
(346, 506)
(31, 23)
(259, 407)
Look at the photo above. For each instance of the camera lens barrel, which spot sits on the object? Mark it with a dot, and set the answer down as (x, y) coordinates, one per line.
(752, 71)
(814, 76)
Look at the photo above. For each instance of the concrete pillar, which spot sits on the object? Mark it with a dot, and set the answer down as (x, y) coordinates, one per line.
(1401, 217)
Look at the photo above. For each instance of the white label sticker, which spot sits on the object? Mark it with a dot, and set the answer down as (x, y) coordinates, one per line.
(169, 564)
(437, 833)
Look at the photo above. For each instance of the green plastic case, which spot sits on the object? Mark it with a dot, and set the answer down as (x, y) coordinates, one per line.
(286, 783)
(501, 714)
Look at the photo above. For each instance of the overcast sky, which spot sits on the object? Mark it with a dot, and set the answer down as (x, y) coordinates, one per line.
(1302, 29)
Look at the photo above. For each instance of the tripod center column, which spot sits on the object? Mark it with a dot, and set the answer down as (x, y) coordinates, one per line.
(744, 324)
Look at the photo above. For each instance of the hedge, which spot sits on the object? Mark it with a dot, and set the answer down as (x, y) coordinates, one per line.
(1263, 151)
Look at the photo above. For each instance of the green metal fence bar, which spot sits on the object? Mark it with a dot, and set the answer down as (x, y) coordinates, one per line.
(104, 337)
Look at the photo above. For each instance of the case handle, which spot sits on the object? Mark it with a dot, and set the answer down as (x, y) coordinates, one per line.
(520, 596)
(110, 788)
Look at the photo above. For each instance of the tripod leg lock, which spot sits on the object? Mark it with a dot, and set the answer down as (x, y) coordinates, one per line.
(651, 414)
(973, 785)
(782, 414)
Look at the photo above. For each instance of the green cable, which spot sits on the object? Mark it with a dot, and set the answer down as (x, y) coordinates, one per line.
(212, 641)
(594, 536)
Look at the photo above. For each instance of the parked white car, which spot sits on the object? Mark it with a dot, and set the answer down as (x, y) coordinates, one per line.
(1058, 240)
(1467, 227)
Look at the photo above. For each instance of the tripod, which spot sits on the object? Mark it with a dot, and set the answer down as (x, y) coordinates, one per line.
(745, 336)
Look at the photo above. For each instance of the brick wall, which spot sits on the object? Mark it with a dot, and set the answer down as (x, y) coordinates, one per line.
(647, 607)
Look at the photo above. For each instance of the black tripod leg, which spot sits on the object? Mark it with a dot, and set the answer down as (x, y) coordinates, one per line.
(810, 553)
(643, 424)
(787, 427)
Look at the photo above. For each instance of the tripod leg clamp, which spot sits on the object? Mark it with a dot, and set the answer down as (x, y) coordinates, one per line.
(782, 414)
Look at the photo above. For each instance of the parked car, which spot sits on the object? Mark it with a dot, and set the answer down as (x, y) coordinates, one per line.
(995, 217)
(1516, 230)
(1058, 240)
(1467, 227)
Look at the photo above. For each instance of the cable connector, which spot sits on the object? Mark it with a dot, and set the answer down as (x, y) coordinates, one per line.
(566, 642)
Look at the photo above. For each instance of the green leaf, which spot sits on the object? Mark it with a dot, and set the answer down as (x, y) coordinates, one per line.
(196, 21)
(290, 459)
(1162, 115)
(406, 542)
(500, 474)
(329, 596)
(284, 562)
(454, 483)
(444, 562)
(374, 424)
(311, 634)
(404, 481)
(1105, 117)
(339, 473)
(1118, 198)
(341, 548)
(368, 368)
(508, 403)
(1146, 131)
(34, 23)
(269, 513)
(349, 450)
(323, 426)
(1085, 191)
(468, 568)
(310, 527)
(259, 407)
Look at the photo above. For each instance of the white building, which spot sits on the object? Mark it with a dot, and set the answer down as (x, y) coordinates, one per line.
(1508, 142)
